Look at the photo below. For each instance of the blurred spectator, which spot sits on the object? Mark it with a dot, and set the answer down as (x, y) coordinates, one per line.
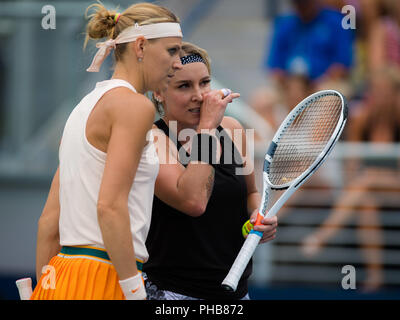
(311, 42)
(377, 121)
(335, 4)
(308, 49)
(366, 12)
(267, 105)
(273, 104)
(384, 35)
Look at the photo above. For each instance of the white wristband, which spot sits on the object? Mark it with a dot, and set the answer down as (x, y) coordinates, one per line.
(133, 288)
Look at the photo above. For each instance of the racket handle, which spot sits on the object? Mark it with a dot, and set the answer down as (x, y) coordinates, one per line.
(231, 280)
(24, 288)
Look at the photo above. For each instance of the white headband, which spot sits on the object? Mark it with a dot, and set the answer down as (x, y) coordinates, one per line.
(130, 34)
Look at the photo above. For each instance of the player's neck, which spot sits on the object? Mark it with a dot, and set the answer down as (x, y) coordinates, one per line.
(134, 78)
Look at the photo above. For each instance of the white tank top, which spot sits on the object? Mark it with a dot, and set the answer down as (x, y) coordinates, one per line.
(81, 171)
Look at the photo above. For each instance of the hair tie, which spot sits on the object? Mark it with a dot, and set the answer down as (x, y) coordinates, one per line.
(116, 17)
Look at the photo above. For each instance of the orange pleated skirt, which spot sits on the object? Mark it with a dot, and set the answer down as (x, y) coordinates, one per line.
(79, 273)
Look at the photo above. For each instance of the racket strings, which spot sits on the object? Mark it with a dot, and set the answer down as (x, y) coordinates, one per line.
(303, 140)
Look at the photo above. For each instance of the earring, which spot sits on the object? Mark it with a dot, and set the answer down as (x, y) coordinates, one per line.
(140, 59)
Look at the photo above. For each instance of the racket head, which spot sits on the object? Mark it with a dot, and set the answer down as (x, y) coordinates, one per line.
(301, 144)
(304, 139)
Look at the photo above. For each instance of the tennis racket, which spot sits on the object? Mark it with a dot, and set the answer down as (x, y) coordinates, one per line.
(302, 143)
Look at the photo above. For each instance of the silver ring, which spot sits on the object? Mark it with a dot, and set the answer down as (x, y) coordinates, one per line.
(225, 92)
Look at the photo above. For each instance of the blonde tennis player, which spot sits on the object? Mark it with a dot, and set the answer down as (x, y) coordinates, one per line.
(92, 232)
(200, 203)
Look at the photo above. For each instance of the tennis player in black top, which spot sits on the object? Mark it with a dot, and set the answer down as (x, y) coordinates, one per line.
(199, 206)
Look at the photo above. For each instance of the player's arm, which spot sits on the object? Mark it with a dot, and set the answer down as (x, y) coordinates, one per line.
(48, 237)
(185, 189)
(131, 118)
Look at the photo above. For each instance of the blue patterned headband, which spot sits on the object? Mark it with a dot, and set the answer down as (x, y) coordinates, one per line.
(192, 58)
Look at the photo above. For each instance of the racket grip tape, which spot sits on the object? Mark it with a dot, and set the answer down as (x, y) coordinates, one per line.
(246, 228)
(235, 273)
(259, 219)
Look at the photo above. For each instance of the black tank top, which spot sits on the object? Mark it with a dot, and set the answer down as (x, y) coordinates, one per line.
(192, 256)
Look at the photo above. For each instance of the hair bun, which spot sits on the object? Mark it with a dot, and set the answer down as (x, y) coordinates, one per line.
(101, 22)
